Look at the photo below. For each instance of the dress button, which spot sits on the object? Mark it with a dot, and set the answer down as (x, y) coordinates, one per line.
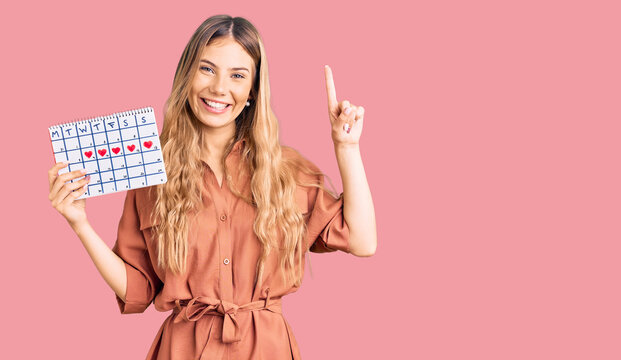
(222, 217)
(226, 261)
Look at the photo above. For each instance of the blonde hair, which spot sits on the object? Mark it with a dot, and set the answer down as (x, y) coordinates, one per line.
(274, 177)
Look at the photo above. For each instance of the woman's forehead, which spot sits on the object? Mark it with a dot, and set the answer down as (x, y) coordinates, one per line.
(226, 53)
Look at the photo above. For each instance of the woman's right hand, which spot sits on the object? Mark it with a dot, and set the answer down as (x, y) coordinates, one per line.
(62, 197)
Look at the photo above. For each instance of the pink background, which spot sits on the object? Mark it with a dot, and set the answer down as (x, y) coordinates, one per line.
(490, 145)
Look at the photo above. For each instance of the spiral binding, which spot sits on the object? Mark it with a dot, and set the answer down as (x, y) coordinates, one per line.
(83, 120)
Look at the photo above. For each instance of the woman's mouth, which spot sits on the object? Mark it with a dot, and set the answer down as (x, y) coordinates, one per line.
(215, 107)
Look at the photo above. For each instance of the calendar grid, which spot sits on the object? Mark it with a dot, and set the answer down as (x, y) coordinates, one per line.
(80, 147)
(142, 168)
(62, 133)
(109, 150)
(94, 147)
(118, 126)
(141, 151)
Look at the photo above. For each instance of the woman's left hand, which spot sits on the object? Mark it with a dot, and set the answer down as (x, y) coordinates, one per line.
(346, 118)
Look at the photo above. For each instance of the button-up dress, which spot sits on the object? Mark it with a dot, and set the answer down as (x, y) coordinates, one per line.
(218, 311)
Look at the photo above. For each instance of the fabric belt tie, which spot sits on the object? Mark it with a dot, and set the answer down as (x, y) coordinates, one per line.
(194, 309)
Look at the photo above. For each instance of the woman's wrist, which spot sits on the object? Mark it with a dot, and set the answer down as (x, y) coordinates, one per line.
(79, 227)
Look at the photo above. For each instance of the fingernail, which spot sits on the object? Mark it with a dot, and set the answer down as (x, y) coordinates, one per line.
(346, 128)
(347, 111)
(83, 171)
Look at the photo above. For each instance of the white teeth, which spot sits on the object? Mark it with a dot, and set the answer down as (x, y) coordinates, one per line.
(215, 105)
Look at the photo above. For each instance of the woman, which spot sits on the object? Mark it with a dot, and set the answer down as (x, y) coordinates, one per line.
(224, 239)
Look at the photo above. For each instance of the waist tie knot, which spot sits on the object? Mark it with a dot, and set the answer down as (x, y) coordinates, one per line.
(193, 309)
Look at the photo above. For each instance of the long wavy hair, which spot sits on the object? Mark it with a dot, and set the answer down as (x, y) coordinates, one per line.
(273, 177)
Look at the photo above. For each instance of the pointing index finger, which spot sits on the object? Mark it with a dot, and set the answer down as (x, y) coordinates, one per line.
(333, 104)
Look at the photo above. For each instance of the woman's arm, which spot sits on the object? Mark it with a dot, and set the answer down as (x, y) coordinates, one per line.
(110, 265)
(358, 210)
(358, 205)
(63, 198)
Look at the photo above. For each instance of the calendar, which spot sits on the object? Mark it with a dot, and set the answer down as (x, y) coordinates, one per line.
(120, 151)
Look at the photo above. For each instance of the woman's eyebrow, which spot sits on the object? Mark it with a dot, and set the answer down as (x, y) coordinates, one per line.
(216, 66)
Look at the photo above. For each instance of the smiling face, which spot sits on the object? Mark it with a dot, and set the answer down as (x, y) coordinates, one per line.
(222, 83)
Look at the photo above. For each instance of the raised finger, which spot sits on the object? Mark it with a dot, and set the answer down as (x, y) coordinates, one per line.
(331, 90)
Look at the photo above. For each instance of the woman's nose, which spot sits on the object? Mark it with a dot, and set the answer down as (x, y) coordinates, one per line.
(218, 85)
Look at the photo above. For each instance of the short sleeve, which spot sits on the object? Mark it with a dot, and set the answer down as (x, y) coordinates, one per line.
(142, 281)
(326, 226)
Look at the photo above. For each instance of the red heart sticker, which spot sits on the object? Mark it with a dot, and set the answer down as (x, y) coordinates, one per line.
(116, 150)
(88, 154)
(148, 144)
(101, 152)
(131, 147)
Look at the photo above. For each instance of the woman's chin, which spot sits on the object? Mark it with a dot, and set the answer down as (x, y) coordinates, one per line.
(215, 121)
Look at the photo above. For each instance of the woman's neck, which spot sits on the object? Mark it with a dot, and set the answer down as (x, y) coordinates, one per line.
(215, 141)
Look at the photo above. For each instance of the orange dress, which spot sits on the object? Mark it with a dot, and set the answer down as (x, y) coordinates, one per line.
(217, 310)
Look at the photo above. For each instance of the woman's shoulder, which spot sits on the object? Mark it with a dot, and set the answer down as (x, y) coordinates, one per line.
(305, 170)
(143, 195)
(293, 155)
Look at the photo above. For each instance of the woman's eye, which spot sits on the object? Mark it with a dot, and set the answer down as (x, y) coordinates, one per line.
(236, 76)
